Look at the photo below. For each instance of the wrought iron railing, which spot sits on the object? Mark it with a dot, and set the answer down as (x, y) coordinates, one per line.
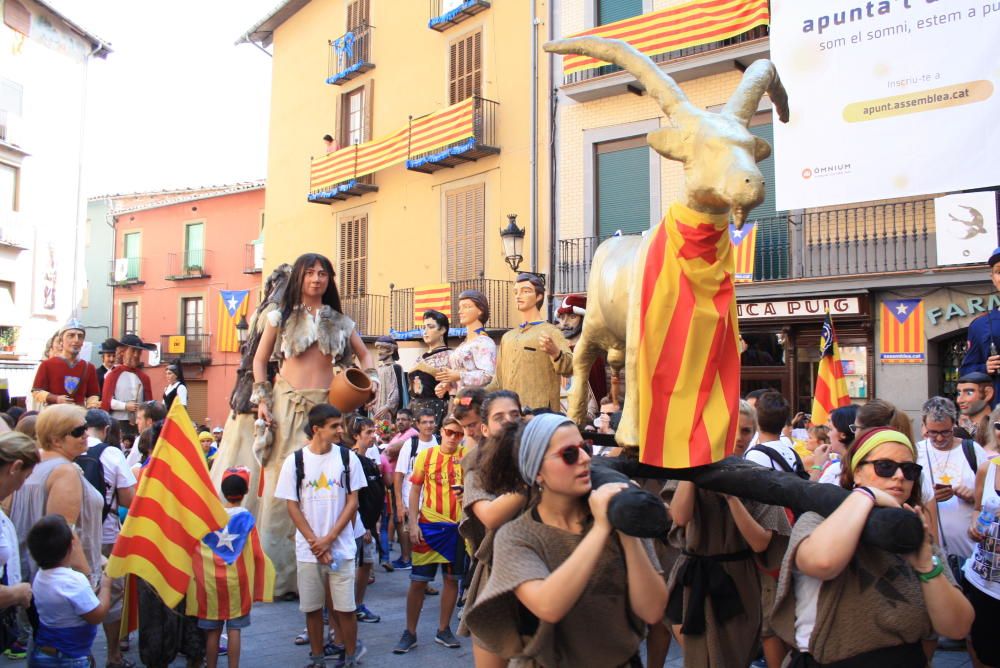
(773, 251)
(191, 263)
(191, 348)
(350, 54)
(499, 294)
(370, 313)
(484, 138)
(760, 32)
(573, 268)
(125, 271)
(444, 14)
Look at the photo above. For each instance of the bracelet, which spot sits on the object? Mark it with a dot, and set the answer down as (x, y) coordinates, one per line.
(557, 357)
(932, 573)
(814, 467)
(867, 492)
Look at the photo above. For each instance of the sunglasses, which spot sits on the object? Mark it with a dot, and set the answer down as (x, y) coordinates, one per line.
(571, 453)
(453, 433)
(939, 434)
(79, 431)
(886, 468)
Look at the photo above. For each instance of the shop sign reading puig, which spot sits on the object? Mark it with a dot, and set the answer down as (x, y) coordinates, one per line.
(798, 308)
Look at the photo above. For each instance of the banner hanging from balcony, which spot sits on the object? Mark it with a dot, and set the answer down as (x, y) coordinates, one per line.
(422, 135)
(744, 250)
(679, 27)
(427, 297)
(232, 306)
(966, 227)
(903, 340)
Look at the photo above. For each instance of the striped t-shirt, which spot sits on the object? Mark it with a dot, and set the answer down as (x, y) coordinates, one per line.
(437, 472)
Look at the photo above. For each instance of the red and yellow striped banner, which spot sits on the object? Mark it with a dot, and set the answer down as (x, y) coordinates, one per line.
(679, 27)
(424, 134)
(436, 296)
(831, 386)
(689, 360)
(902, 337)
(745, 250)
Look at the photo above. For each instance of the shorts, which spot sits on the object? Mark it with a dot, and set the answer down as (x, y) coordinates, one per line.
(234, 624)
(315, 579)
(451, 571)
(983, 635)
(117, 591)
(366, 552)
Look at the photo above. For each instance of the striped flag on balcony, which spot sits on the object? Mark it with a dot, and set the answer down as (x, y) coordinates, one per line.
(232, 306)
(744, 250)
(436, 296)
(678, 27)
(903, 340)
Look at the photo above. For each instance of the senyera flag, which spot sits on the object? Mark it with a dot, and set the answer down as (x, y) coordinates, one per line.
(744, 251)
(175, 507)
(831, 387)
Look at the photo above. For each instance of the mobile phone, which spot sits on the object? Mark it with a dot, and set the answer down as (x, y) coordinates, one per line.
(939, 485)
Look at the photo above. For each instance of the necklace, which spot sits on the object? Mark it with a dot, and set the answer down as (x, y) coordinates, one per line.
(309, 309)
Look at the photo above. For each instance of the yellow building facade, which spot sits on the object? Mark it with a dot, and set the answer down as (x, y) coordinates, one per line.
(364, 70)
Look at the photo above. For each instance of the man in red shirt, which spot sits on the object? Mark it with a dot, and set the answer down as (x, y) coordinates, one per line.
(65, 378)
(127, 386)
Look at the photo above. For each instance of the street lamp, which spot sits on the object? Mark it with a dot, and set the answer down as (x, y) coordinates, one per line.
(242, 330)
(512, 237)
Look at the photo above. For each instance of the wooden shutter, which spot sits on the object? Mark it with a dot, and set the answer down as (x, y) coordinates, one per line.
(465, 230)
(367, 106)
(623, 200)
(353, 256)
(197, 406)
(465, 58)
(357, 13)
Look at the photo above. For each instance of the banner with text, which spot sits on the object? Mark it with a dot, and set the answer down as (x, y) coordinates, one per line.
(888, 98)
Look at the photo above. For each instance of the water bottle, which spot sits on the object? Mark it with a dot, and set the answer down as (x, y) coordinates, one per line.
(987, 516)
(833, 457)
(338, 558)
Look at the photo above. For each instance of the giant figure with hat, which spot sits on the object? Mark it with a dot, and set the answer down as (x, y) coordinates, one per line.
(108, 352)
(569, 317)
(127, 385)
(983, 352)
(65, 378)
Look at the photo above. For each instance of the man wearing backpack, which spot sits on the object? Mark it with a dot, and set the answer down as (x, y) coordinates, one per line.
(371, 500)
(118, 487)
(426, 424)
(770, 450)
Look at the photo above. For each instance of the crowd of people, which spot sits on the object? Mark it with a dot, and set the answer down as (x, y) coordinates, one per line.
(464, 477)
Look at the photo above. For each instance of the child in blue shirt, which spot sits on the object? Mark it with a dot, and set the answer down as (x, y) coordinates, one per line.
(68, 609)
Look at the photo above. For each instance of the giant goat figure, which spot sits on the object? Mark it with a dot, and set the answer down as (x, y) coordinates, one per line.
(720, 159)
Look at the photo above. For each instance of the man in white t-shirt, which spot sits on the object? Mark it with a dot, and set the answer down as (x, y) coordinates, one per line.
(119, 490)
(771, 450)
(426, 424)
(948, 473)
(322, 502)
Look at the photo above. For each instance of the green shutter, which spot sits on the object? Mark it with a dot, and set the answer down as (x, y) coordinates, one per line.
(609, 11)
(623, 191)
(771, 256)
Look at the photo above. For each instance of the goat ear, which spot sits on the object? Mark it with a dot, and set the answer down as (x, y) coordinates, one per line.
(670, 143)
(761, 149)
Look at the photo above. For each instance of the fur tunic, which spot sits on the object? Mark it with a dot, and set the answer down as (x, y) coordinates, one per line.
(329, 329)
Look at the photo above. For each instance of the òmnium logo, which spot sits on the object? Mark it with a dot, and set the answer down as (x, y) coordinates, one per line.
(820, 171)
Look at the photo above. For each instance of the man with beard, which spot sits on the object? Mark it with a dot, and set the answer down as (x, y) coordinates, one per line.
(127, 386)
(570, 317)
(975, 394)
(64, 378)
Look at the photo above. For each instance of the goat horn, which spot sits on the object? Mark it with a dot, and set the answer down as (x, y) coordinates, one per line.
(660, 87)
(759, 78)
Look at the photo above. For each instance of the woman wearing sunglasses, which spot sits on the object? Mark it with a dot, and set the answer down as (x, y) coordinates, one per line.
(840, 600)
(57, 486)
(566, 589)
(826, 458)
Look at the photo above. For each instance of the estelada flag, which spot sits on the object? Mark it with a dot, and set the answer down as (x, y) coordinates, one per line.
(831, 388)
(232, 306)
(902, 339)
(744, 250)
(689, 360)
(436, 296)
(173, 509)
(231, 572)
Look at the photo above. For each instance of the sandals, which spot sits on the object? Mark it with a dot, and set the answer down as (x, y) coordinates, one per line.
(124, 662)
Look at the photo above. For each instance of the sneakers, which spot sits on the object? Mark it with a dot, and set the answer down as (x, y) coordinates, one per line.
(401, 565)
(389, 568)
(359, 651)
(447, 638)
(406, 642)
(16, 651)
(333, 652)
(366, 616)
(431, 591)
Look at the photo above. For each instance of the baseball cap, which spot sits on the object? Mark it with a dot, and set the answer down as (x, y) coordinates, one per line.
(994, 257)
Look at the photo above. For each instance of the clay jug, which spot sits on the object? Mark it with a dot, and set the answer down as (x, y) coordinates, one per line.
(350, 390)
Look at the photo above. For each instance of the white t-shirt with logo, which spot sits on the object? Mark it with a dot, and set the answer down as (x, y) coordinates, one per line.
(323, 498)
(406, 460)
(950, 467)
(117, 475)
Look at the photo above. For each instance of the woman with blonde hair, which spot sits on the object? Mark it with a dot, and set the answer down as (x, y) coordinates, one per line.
(57, 486)
(18, 456)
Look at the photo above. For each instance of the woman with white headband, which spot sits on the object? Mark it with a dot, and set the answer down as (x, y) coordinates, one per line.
(566, 589)
(843, 602)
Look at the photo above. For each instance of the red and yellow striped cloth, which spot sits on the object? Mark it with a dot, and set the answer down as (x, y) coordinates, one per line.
(689, 361)
(436, 296)
(902, 339)
(831, 387)
(745, 251)
(424, 134)
(437, 472)
(678, 27)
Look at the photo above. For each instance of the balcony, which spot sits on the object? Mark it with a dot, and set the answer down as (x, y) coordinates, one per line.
(15, 231)
(350, 55)
(188, 265)
(186, 348)
(369, 312)
(338, 192)
(481, 144)
(573, 265)
(448, 13)
(253, 257)
(682, 65)
(500, 295)
(125, 271)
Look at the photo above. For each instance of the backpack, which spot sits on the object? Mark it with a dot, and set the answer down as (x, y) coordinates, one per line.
(969, 450)
(798, 469)
(93, 471)
(300, 470)
(371, 499)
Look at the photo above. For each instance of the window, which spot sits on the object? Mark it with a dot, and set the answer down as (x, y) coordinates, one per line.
(194, 245)
(130, 318)
(609, 11)
(8, 187)
(131, 245)
(353, 256)
(192, 316)
(353, 117)
(465, 68)
(622, 187)
(465, 223)
(357, 13)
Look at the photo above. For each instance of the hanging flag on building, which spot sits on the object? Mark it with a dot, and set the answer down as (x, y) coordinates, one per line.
(831, 387)
(232, 306)
(175, 507)
(902, 339)
(744, 250)
(436, 296)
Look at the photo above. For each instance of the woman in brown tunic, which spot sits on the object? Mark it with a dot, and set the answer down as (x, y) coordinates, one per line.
(565, 589)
